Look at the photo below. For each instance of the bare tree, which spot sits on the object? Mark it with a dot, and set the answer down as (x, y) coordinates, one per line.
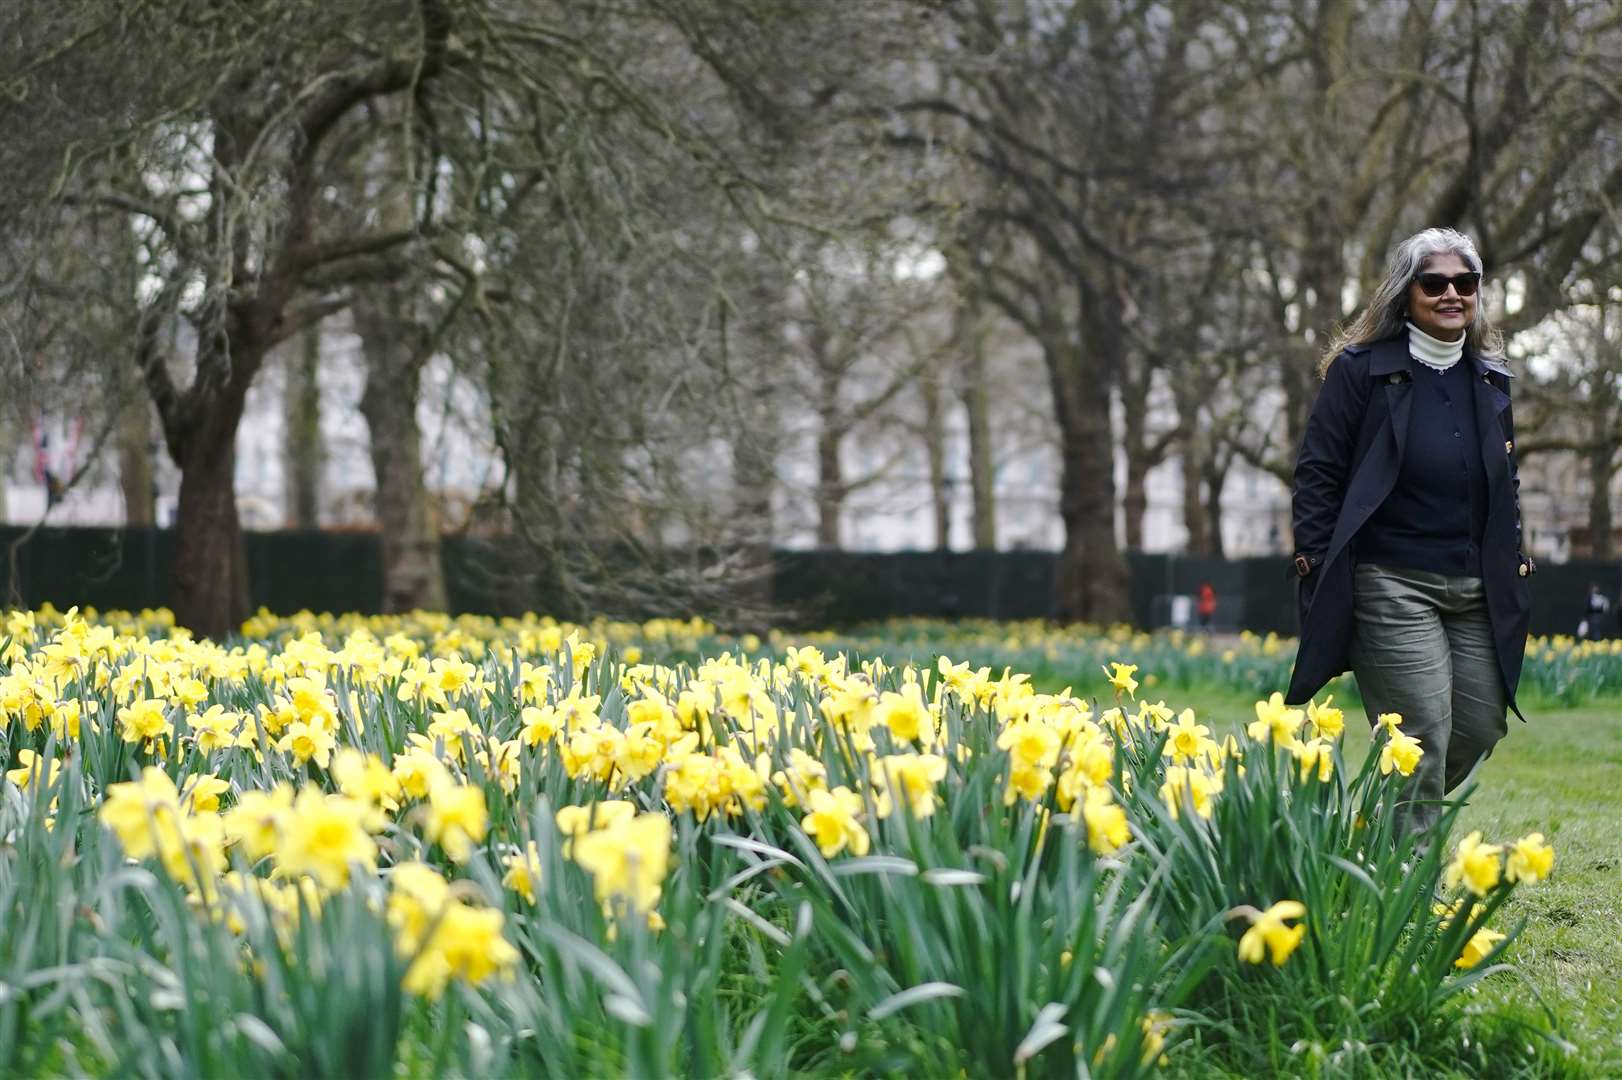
(1577, 407)
(221, 162)
(1369, 122)
(1078, 123)
(856, 329)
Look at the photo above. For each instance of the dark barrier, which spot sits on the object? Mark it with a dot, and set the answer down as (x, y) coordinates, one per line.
(332, 571)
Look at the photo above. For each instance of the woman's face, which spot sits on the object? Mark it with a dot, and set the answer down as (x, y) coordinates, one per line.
(1447, 316)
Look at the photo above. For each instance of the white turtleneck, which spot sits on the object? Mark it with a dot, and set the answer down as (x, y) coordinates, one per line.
(1434, 353)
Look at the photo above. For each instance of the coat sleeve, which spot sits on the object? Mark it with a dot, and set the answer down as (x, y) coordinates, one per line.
(1326, 452)
(1514, 473)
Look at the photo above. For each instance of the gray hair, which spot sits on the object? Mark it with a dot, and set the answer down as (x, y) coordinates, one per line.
(1387, 309)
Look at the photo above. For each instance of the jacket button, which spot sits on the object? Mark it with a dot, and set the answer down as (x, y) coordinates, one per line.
(1523, 569)
(1395, 379)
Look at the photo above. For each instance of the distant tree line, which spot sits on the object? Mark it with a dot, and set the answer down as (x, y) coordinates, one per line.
(662, 238)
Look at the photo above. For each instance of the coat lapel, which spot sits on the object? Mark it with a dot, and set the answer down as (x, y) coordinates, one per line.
(1390, 366)
(1490, 405)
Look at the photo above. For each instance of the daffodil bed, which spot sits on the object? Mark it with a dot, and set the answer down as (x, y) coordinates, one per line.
(426, 846)
(1559, 670)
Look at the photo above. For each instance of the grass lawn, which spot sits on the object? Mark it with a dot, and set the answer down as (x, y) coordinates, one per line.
(1559, 774)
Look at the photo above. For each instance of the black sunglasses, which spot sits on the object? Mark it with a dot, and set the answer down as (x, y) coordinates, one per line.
(1436, 284)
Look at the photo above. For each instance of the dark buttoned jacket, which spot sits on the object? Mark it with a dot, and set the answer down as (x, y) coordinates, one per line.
(1350, 457)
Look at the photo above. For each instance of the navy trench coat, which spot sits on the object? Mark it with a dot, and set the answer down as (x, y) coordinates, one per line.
(1349, 460)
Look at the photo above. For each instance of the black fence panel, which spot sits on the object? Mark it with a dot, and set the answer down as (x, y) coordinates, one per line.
(308, 570)
(333, 571)
(104, 568)
(1270, 595)
(1560, 595)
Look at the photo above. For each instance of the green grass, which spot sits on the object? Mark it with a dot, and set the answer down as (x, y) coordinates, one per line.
(1559, 774)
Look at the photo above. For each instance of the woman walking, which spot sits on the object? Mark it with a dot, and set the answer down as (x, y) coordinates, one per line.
(1407, 518)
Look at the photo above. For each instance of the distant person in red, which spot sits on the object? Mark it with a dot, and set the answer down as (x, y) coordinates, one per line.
(1205, 606)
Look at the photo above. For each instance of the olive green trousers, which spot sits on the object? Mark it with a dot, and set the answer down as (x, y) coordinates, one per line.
(1422, 646)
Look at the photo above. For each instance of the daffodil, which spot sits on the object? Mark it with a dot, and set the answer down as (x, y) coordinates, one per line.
(803, 775)
(34, 769)
(523, 871)
(1270, 936)
(215, 729)
(418, 770)
(1327, 721)
(138, 810)
(1275, 721)
(145, 721)
(202, 793)
(1191, 786)
(1475, 864)
(627, 860)
(1400, 752)
(1530, 859)
(1481, 943)
(1316, 756)
(257, 819)
(906, 715)
(911, 776)
(1120, 678)
(1187, 740)
(1106, 822)
(308, 740)
(457, 818)
(324, 836)
(833, 822)
(577, 821)
(364, 777)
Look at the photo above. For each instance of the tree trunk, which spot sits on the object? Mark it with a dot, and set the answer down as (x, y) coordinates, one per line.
(830, 477)
(1216, 478)
(1134, 424)
(529, 445)
(1323, 275)
(1091, 574)
(136, 436)
(211, 564)
(304, 452)
(135, 465)
(940, 495)
(1199, 537)
(1135, 500)
(977, 403)
(1601, 470)
(753, 478)
(412, 576)
(6, 436)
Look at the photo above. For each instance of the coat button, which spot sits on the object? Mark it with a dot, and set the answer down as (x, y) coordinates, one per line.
(1523, 569)
(1395, 379)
